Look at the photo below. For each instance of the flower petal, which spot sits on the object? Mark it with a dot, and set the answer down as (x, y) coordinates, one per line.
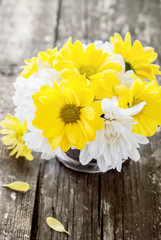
(136, 109)
(18, 186)
(56, 225)
(88, 113)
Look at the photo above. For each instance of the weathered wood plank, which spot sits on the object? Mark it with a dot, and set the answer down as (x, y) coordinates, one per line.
(25, 28)
(113, 205)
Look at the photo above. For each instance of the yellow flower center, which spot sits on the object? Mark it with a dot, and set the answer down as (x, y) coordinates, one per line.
(87, 71)
(70, 113)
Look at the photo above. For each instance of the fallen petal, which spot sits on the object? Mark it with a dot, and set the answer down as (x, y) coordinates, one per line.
(56, 225)
(18, 186)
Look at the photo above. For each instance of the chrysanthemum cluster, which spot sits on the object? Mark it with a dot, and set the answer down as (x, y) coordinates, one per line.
(100, 98)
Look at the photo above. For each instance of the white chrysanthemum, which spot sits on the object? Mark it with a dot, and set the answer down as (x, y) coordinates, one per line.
(25, 108)
(116, 142)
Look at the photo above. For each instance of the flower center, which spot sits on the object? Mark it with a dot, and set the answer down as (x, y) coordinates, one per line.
(134, 102)
(114, 136)
(70, 113)
(111, 134)
(87, 71)
(128, 66)
(19, 134)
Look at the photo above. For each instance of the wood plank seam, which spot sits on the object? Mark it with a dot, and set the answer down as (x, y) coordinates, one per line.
(56, 32)
(35, 215)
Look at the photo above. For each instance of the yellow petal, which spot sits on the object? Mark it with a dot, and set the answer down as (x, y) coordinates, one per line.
(7, 131)
(8, 140)
(97, 107)
(67, 42)
(65, 144)
(56, 225)
(88, 113)
(87, 126)
(28, 155)
(18, 186)
(14, 151)
(55, 143)
(98, 123)
(72, 133)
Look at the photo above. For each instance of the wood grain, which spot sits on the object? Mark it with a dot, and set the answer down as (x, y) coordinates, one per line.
(25, 28)
(108, 206)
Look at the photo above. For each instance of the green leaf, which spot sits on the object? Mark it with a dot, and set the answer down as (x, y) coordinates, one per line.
(18, 186)
(56, 225)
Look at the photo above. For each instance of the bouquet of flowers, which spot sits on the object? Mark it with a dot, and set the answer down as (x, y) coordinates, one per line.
(101, 98)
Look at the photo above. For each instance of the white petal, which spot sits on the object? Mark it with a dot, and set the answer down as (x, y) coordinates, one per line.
(118, 127)
(142, 139)
(136, 109)
(114, 102)
(134, 154)
(102, 164)
(119, 165)
(85, 156)
(106, 105)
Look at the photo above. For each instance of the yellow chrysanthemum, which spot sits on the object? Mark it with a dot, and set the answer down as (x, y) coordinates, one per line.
(67, 118)
(91, 65)
(14, 132)
(149, 117)
(136, 57)
(31, 64)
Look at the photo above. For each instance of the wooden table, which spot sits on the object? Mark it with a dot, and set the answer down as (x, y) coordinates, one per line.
(108, 206)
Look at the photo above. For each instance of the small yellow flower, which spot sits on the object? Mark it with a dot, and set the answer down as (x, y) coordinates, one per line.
(29, 68)
(31, 64)
(49, 56)
(149, 117)
(96, 68)
(14, 132)
(136, 57)
(67, 118)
